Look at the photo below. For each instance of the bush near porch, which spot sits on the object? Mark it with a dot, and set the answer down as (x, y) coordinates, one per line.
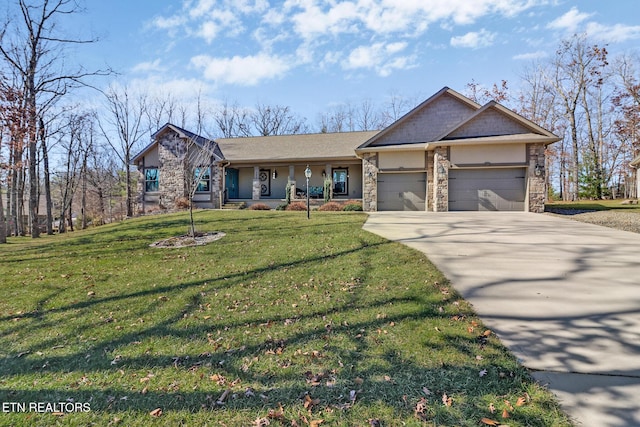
(285, 320)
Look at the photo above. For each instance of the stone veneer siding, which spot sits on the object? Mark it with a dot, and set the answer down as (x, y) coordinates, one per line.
(441, 179)
(430, 180)
(537, 184)
(171, 152)
(370, 182)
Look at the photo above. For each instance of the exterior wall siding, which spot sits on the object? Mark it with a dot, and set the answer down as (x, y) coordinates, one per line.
(479, 154)
(489, 123)
(429, 123)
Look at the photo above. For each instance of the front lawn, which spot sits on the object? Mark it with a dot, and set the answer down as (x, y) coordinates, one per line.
(593, 205)
(284, 321)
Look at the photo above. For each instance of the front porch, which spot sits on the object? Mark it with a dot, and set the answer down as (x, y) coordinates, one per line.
(268, 183)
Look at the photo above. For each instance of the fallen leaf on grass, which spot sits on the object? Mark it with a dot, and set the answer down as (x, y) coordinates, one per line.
(489, 422)
(492, 408)
(309, 403)
(315, 423)
(483, 373)
(505, 414)
(421, 407)
(261, 422)
(521, 401)
(276, 414)
(156, 412)
(446, 400)
(509, 405)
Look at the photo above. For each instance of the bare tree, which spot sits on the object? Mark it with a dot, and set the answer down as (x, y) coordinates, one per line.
(161, 109)
(394, 107)
(481, 95)
(232, 120)
(123, 129)
(537, 102)
(277, 120)
(626, 101)
(34, 49)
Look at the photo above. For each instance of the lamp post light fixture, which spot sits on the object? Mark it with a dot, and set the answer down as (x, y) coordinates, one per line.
(307, 174)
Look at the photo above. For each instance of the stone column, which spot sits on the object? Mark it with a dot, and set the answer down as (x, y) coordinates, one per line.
(171, 152)
(441, 179)
(537, 181)
(370, 182)
(216, 185)
(256, 183)
(328, 175)
(430, 180)
(291, 181)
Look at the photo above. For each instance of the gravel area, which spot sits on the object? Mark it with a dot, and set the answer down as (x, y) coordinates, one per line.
(627, 220)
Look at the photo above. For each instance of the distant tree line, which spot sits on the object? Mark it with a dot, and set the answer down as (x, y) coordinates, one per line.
(64, 165)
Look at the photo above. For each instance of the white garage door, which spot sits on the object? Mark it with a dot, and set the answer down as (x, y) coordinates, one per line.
(402, 191)
(487, 189)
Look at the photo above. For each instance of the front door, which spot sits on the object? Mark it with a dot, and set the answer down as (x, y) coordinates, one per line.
(231, 183)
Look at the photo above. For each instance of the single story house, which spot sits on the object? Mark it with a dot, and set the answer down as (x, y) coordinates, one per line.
(448, 153)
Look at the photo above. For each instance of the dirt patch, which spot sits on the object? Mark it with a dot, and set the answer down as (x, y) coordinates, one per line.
(186, 240)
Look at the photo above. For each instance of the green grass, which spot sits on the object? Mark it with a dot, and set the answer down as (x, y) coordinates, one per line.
(592, 205)
(280, 308)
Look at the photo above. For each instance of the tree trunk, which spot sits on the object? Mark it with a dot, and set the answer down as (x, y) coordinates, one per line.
(3, 222)
(47, 178)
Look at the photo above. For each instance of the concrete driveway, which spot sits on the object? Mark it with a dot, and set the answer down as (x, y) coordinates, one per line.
(564, 296)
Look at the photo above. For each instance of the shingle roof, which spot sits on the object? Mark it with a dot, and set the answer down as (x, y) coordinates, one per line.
(303, 147)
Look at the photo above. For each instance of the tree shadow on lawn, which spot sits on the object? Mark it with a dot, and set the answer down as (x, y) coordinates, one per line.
(284, 356)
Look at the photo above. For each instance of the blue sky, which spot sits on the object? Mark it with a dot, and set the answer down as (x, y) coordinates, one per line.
(314, 54)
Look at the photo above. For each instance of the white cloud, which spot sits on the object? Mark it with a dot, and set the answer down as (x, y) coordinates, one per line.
(474, 39)
(168, 23)
(149, 66)
(242, 70)
(208, 31)
(575, 21)
(201, 8)
(569, 21)
(531, 55)
(613, 34)
(378, 56)
(306, 30)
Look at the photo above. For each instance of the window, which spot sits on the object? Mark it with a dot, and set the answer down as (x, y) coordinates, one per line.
(203, 176)
(340, 182)
(151, 180)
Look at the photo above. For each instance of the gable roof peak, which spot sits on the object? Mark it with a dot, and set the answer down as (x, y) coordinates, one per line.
(469, 104)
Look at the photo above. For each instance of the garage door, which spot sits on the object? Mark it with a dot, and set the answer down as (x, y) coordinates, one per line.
(402, 191)
(487, 189)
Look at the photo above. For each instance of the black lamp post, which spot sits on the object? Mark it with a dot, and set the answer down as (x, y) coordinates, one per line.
(307, 174)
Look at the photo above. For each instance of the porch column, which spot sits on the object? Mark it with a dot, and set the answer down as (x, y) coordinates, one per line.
(441, 179)
(537, 180)
(256, 183)
(291, 181)
(370, 182)
(328, 175)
